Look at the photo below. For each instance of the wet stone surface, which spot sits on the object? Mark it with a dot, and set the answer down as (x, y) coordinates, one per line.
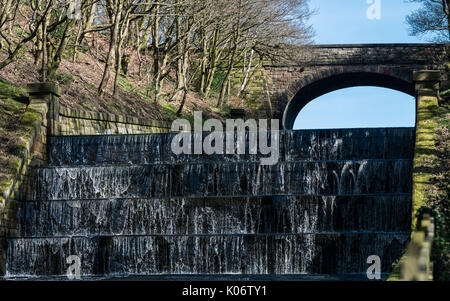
(131, 209)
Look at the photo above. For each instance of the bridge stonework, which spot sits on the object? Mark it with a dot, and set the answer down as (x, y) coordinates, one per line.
(319, 69)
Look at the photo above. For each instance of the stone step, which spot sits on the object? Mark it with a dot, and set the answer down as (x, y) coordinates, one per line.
(238, 215)
(128, 207)
(334, 253)
(206, 277)
(339, 144)
(220, 179)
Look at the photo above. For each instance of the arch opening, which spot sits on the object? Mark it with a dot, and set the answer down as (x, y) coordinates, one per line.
(358, 107)
(341, 82)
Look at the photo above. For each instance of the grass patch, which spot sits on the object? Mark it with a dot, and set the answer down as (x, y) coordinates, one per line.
(216, 84)
(15, 126)
(9, 90)
(446, 92)
(114, 106)
(125, 84)
(169, 109)
(86, 105)
(65, 78)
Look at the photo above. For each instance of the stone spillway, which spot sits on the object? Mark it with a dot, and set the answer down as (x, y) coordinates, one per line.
(127, 206)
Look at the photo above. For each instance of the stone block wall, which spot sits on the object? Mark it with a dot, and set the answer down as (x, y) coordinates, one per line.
(36, 119)
(77, 122)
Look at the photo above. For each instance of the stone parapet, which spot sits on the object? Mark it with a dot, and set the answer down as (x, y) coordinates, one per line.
(356, 54)
(77, 122)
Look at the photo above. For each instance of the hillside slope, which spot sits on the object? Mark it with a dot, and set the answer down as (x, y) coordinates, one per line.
(79, 82)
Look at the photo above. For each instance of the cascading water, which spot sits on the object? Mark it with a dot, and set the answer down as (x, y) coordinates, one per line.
(128, 206)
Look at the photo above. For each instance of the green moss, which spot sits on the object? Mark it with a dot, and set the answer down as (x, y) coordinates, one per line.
(424, 156)
(11, 105)
(30, 117)
(424, 150)
(14, 165)
(5, 184)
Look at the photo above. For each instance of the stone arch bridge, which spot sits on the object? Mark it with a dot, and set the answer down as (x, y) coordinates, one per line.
(286, 87)
(143, 176)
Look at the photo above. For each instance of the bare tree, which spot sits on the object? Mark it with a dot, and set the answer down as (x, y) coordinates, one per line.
(15, 45)
(431, 20)
(197, 44)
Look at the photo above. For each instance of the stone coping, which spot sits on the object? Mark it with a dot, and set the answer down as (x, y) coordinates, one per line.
(106, 117)
(427, 75)
(351, 54)
(43, 88)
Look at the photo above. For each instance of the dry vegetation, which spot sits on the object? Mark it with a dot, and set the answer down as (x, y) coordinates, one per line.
(147, 59)
(12, 131)
(438, 194)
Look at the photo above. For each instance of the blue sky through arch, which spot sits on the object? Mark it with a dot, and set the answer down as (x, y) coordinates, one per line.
(346, 22)
(358, 107)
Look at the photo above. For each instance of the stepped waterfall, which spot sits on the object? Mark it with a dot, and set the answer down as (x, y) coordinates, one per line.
(127, 206)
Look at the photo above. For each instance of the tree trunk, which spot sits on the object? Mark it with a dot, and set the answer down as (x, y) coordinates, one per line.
(123, 33)
(84, 27)
(233, 54)
(44, 58)
(112, 48)
(117, 73)
(156, 69)
(246, 74)
(57, 57)
(227, 76)
(204, 61)
(179, 84)
(185, 81)
(76, 42)
(213, 63)
(183, 101)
